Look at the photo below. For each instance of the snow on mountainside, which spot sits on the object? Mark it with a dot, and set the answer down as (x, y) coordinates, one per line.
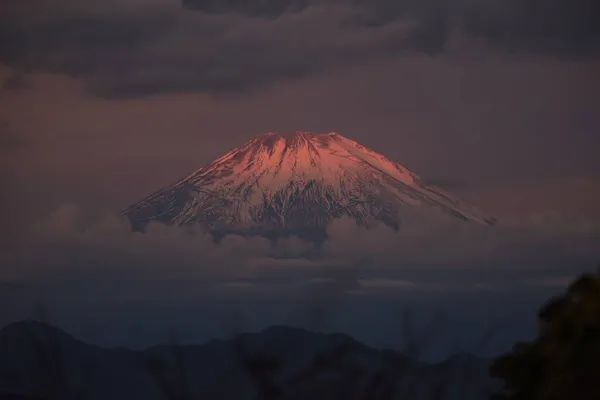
(278, 184)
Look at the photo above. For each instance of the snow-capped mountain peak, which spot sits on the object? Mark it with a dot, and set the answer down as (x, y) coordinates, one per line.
(298, 182)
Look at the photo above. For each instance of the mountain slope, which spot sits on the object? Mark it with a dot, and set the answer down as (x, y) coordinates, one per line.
(277, 184)
(305, 365)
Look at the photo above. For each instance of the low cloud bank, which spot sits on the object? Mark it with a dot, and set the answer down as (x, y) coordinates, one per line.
(69, 244)
(111, 286)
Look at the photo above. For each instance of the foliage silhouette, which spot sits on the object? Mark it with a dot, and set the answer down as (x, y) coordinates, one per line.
(563, 362)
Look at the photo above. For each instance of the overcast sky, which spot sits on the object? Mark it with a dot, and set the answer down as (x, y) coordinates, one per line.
(103, 102)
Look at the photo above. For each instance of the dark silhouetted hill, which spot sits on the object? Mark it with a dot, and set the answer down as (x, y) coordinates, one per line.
(279, 362)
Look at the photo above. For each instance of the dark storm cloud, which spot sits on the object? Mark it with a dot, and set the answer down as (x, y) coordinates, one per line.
(568, 28)
(130, 52)
(141, 47)
(371, 13)
(264, 8)
(75, 40)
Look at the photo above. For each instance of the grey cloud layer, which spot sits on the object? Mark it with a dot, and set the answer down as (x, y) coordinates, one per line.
(96, 272)
(142, 47)
(69, 245)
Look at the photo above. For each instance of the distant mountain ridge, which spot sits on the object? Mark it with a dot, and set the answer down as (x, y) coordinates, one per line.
(279, 184)
(40, 360)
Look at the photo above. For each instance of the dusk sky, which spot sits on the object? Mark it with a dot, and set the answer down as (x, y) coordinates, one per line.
(104, 102)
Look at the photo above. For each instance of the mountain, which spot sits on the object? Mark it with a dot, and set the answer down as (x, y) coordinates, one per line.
(290, 363)
(280, 184)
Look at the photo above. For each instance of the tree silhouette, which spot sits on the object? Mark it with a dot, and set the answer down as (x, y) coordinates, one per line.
(563, 362)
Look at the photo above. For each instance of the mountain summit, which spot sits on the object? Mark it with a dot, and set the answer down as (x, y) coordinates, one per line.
(279, 184)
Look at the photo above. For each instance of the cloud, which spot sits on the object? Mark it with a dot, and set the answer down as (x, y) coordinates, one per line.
(15, 81)
(385, 284)
(448, 184)
(267, 9)
(143, 47)
(10, 142)
(567, 28)
(552, 281)
(91, 269)
(72, 244)
(134, 51)
(238, 285)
